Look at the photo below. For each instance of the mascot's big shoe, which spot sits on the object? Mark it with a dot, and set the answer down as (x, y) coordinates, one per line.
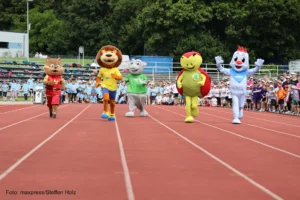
(109, 59)
(136, 89)
(54, 83)
(238, 73)
(192, 82)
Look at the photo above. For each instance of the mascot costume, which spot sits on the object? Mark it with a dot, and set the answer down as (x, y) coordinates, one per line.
(192, 82)
(54, 83)
(109, 59)
(136, 89)
(238, 73)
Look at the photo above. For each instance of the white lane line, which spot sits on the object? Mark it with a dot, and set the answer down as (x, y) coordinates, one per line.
(19, 122)
(276, 122)
(262, 188)
(244, 137)
(268, 129)
(16, 164)
(283, 116)
(17, 110)
(129, 188)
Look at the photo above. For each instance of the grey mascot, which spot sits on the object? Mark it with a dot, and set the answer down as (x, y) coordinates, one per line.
(136, 89)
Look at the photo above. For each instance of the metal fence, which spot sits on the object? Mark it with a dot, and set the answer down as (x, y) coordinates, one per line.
(158, 72)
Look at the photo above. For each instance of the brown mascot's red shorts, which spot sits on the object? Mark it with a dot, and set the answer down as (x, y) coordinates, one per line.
(53, 100)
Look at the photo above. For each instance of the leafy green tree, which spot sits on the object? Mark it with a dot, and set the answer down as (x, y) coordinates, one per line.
(47, 33)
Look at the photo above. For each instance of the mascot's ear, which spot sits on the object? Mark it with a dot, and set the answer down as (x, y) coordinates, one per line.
(144, 63)
(125, 70)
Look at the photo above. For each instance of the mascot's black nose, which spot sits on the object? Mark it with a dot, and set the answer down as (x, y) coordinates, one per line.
(108, 55)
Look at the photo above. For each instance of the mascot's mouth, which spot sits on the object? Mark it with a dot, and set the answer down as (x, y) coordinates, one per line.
(190, 67)
(238, 66)
(54, 70)
(109, 60)
(134, 70)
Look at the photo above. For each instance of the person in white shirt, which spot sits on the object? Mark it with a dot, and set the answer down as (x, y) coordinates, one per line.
(214, 101)
(158, 99)
(30, 83)
(228, 96)
(167, 88)
(5, 88)
(209, 96)
(175, 92)
(165, 100)
(13, 90)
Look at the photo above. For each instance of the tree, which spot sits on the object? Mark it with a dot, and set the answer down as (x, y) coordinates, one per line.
(47, 33)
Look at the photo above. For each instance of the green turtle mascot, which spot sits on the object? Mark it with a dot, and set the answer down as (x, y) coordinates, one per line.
(192, 82)
(136, 89)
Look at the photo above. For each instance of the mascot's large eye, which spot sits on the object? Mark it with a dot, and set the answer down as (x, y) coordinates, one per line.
(52, 65)
(57, 66)
(236, 58)
(138, 63)
(243, 60)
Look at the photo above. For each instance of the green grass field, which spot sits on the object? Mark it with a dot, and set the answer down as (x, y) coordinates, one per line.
(42, 61)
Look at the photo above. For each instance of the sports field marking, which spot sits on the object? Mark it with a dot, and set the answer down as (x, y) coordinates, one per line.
(19, 122)
(16, 164)
(129, 188)
(232, 133)
(257, 185)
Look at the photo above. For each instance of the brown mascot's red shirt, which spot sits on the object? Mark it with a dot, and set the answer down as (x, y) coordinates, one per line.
(53, 90)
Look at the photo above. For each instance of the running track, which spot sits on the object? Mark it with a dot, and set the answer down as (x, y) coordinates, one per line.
(158, 157)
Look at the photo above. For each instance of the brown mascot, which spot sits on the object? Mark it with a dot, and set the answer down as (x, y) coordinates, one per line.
(109, 59)
(54, 83)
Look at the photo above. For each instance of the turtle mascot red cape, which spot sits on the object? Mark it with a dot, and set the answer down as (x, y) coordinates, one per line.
(192, 82)
(54, 83)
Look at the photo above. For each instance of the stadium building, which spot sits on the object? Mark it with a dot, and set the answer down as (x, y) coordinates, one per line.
(13, 44)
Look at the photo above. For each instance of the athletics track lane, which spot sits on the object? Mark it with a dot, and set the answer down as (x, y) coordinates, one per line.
(277, 171)
(164, 166)
(16, 116)
(271, 121)
(222, 120)
(84, 157)
(267, 133)
(17, 140)
(14, 107)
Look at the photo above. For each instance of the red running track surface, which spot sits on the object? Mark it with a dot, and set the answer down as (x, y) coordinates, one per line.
(167, 159)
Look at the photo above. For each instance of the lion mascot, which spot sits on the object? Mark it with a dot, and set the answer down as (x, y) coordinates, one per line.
(192, 82)
(136, 89)
(54, 83)
(238, 73)
(109, 59)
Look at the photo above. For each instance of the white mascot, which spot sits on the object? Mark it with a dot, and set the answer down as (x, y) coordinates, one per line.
(238, 73)
(136, 89)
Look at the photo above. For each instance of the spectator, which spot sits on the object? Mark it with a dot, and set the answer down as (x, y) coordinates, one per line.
(248, 98)
(25, 89)
(214, 101)
(280, 98)
(158, 99)
(257, 95)
(5, 88)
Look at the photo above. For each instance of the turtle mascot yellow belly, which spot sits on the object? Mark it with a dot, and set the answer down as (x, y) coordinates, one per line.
(192, 82)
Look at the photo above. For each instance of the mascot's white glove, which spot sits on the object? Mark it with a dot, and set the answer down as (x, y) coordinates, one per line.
(142, 82)
(259, 62)
(219, 60)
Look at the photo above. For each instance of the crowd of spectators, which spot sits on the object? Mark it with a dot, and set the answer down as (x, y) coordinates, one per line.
(279, 94)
